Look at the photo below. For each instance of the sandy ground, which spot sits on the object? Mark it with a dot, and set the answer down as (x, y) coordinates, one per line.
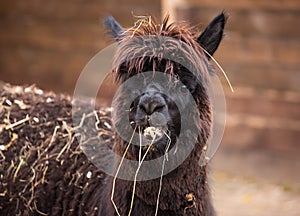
(240, 196)
(241, 188)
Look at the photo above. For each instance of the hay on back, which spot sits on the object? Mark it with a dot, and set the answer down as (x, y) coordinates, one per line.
(42, 169)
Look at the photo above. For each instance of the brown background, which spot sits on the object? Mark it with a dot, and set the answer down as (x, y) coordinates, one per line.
(49, 43)
(261, 55)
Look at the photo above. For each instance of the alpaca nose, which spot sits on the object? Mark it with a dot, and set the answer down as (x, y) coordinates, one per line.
(149, 107)
(151, 102)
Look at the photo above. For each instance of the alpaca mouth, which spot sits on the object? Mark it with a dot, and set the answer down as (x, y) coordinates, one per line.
(152, 134)
(154, 139)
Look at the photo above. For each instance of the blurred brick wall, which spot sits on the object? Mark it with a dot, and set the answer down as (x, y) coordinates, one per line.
(261, 55)
(262, 46)
(49, 42)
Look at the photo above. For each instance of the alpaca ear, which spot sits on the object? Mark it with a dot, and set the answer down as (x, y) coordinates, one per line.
(212, 35)
(114, 28)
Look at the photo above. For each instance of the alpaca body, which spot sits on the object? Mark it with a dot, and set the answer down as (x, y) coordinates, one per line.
(185, 190)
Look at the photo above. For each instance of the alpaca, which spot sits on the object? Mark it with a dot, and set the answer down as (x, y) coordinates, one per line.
(184, 190)
(44, 171)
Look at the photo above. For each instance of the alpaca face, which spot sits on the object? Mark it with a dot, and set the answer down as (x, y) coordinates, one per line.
(156, 116)
(155, 110)
(156, 104)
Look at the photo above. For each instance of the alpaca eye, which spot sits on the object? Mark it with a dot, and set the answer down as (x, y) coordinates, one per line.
(143, 108)
(158, 109)
(184, 89)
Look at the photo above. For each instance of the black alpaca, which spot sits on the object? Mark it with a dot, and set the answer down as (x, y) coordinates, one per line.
(185, 190)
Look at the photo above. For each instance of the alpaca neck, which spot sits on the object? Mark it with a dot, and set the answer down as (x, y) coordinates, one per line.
(187, 185)
(184, 191)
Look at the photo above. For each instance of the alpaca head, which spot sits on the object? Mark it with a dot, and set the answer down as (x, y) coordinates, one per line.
(164, 71)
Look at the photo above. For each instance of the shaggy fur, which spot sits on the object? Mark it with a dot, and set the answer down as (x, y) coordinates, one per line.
(189, 180)
(43, 171)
